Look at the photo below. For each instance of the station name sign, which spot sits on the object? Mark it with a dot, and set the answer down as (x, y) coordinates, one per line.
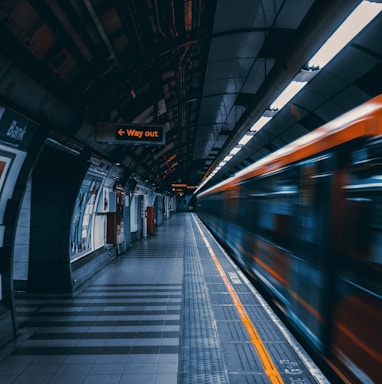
(130, 133)
(15, 130)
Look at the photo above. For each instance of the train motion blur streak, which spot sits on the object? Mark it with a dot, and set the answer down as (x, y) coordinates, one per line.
(306, 222)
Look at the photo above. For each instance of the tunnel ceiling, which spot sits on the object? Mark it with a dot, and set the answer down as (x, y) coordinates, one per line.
(202, 69)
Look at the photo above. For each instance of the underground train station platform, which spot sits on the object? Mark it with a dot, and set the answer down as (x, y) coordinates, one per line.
(173, 309)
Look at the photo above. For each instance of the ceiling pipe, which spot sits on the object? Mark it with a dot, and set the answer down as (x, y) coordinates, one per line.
(57, 10)
(102, 32)
(157, 19)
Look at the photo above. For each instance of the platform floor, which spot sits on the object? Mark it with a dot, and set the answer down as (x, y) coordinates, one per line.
(173, 309)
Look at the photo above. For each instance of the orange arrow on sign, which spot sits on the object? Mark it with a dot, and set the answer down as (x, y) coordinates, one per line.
(121, 132)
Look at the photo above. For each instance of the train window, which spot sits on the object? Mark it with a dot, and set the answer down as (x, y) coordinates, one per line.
(362, 235)
(277, 207)
(313, 208)
(248, 211)
(307, 206)
(362, 240)
(367, 165)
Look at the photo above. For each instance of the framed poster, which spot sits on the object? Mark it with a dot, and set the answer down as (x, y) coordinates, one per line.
(5, 164)
(84, 211)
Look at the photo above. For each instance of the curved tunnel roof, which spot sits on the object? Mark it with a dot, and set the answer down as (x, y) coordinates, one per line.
(202, 70)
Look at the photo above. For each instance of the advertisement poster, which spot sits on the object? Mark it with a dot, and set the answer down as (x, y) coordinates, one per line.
(81, 231)
(4, 166)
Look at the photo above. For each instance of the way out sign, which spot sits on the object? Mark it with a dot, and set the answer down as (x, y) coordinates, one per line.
(130, 133)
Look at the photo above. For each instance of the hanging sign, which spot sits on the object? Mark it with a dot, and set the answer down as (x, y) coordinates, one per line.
(130, 133)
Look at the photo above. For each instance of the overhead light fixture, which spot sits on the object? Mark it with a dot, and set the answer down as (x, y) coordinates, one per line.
(245, 139)
(260, 123)
(287, 94)
(353, 24)
(235, 150)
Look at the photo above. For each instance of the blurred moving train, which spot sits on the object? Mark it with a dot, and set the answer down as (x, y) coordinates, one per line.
(306, 223)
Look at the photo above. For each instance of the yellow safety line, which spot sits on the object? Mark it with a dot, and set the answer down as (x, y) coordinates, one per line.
(268, 364)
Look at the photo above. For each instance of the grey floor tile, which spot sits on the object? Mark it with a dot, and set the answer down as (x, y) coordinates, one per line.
(35, 379)
(137, 378)
(166, 378)
(103, 379)
(68, 379)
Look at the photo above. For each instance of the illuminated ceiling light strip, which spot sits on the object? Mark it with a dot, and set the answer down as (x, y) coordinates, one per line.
(355, 22)
(235, 150)
(288, 94)
(260, 123)
(245, 139)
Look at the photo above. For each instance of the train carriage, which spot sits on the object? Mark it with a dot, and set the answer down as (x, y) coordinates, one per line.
(306, 222)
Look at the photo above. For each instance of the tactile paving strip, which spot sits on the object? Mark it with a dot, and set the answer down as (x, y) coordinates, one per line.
(201, 359)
